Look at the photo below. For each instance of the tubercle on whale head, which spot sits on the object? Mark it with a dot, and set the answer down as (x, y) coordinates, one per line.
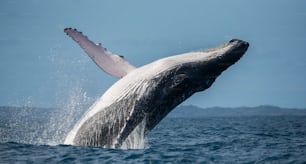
(234, 53)
(236, 50)
(239, 47)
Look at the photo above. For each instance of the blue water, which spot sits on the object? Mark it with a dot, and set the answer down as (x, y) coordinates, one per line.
(276, 139)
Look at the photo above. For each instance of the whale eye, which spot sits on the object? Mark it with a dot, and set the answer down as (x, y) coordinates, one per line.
(179, 80)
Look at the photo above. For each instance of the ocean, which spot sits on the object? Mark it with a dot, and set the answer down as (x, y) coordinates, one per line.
(224, 139)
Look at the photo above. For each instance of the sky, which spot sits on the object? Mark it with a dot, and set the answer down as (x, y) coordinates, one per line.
(41, 66)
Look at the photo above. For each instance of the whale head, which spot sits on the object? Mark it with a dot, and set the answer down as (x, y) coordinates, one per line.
(196, 71)
(208, 65)
(185, 74)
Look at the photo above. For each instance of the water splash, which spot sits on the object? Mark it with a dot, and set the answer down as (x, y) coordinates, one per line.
(47, 126)
(71, 102)
(137, 139)
(63, 119)
(71, 99)
(115, 121)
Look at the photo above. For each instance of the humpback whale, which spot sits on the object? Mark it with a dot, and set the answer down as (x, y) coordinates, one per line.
(143, 96)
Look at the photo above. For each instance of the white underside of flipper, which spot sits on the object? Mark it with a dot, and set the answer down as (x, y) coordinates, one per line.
(111, 63)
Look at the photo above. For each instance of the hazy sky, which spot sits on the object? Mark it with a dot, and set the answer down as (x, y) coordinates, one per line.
(41, 66)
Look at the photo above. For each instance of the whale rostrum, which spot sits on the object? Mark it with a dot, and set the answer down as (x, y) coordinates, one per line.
(145, 95)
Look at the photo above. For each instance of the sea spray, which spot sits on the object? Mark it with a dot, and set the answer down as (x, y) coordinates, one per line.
(71, 99)
(62, 119)
(136, 140)
(111, 125)
(72, 105)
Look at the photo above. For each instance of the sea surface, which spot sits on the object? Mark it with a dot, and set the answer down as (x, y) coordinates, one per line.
(254, 139)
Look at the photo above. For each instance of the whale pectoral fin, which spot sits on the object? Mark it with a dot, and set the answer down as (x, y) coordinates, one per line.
(111, 63)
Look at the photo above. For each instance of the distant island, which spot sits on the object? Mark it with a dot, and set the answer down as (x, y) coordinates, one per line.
(182, 111)
(264, 110)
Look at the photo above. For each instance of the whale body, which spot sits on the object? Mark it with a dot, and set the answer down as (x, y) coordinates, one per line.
(144, 96)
